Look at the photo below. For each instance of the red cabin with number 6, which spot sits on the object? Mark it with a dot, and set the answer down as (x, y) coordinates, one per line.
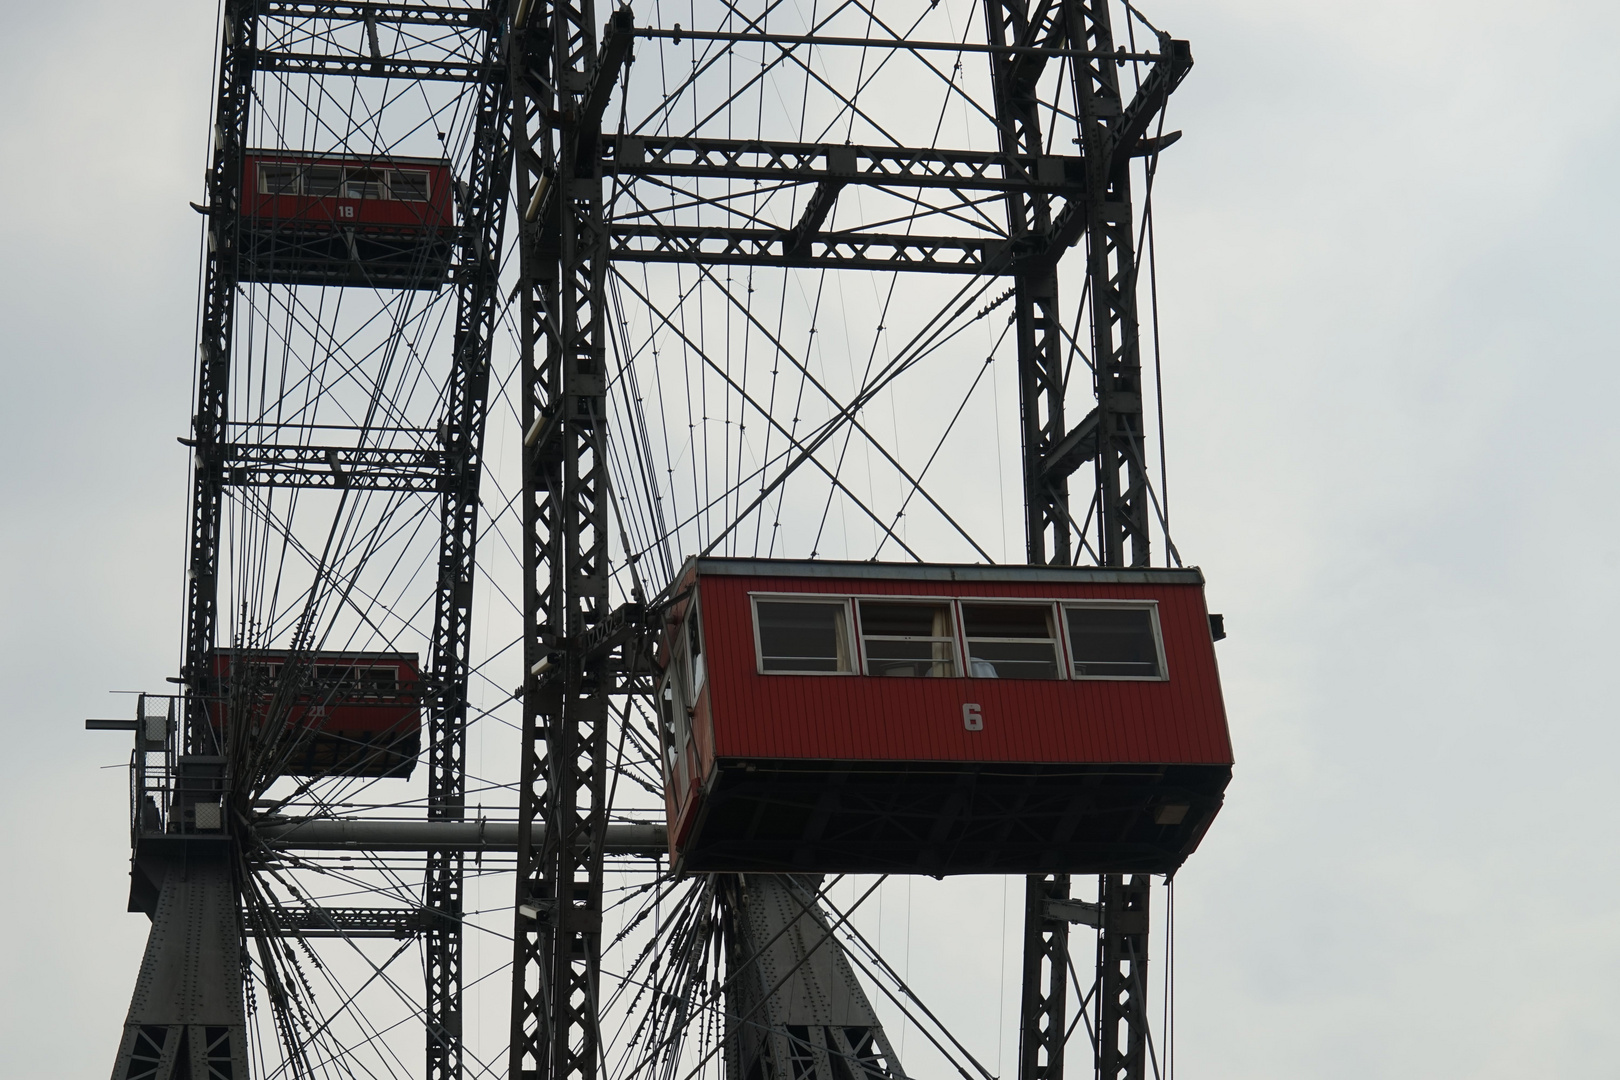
(878, 718)
(384, 222)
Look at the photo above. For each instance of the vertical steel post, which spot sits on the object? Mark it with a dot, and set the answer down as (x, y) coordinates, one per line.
(563, 256)
(1048, 538)
(1044, 1014)
(461, 434)
(534, 164)
(1038, 328)
(220, 271)
(1107, 133)
(1122, 960)
(1111, 280)
(1107, 138)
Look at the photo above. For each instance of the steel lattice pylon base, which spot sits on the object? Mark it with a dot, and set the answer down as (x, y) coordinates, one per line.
(185, 1018)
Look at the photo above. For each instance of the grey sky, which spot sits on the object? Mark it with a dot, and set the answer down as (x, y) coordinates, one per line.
(1385, 245)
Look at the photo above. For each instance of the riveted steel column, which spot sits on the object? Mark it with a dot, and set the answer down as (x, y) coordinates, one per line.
(476, 276)
(208, 436)
(563, 257)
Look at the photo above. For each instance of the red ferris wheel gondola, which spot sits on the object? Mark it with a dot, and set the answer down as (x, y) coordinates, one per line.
(386, 222)
(887, 718)
(324, 713)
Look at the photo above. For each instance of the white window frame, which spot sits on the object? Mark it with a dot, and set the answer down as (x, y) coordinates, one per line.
(343, 178)
(385, 173)
(1053, 607)
(697, 667)
(1057, 606)
(427, 183)
(1158, 638)
(950, 602)
(856, 665)
(264, 184)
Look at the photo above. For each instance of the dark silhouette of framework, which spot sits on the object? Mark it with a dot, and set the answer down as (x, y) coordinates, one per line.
(541, 83)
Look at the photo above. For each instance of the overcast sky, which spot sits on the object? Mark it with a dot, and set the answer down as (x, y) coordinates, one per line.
(1386, 245)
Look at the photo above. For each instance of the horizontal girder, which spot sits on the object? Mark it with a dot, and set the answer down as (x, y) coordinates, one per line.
(1042, 52)
(889, 166)
(420, 14)
(835, 251)
(385, 67)
(349, 922)
(363, 468)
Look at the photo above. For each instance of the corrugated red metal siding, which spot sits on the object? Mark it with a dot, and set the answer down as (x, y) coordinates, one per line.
(865, 718)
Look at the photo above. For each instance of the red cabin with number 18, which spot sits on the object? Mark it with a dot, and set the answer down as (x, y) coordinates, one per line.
(383, 222)
(865, 717)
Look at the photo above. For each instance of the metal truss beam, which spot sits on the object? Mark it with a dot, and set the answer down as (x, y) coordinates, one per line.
(361, 834)
(1108, 124)
(833, 251)
(359, 65)
(1036, 313)
(361, 468)
(1043, 1017)
(351, 922)
(877, 166)
(1111, 436)
(208, 426)
(1042, 52)
(471, 18)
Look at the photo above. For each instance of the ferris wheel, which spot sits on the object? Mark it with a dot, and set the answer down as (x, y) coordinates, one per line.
(658, 471)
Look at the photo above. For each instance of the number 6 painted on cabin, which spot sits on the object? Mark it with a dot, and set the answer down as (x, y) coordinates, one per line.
(972, 718)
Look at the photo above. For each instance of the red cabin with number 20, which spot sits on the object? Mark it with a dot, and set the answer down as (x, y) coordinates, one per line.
(866, 717)
(325, 713)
